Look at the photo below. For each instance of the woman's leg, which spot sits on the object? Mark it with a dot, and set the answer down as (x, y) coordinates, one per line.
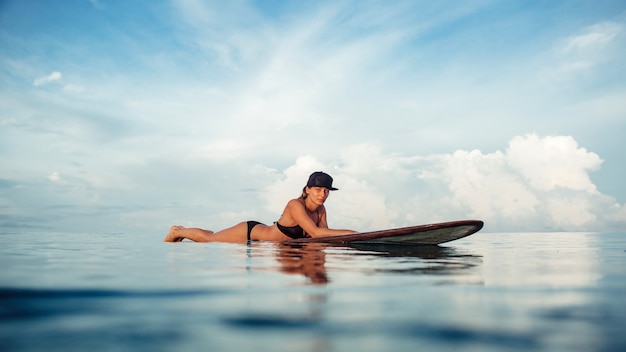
(179, 233)
(237, 233)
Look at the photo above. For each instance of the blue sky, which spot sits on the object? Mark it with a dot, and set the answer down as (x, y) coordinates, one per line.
(131, 116)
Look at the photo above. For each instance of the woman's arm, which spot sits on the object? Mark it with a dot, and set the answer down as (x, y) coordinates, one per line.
(295, 210)
(322, 222)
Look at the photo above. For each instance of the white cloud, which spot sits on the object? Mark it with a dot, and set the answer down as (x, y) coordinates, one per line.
(229, 31)
(54, 177)
(536, 184)
(223, 149)
(589, 48)
(56, 76)
(44, 80)
(570, 211)
(73, 89)
(291, 182)
(484, 186)
(551, 162)
(592, 37)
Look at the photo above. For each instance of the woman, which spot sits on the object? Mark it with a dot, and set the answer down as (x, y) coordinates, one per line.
(302, 217)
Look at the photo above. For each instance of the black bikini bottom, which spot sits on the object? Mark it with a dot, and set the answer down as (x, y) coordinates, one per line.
(251, 225)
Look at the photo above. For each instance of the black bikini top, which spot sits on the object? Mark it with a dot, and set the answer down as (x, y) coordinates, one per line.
(292, 231)
(296, 231)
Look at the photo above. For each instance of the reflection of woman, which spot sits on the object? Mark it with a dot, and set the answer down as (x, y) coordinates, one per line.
(302, 217)
(307, 260)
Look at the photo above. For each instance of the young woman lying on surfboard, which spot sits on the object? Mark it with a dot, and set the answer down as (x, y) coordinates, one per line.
(303, 217)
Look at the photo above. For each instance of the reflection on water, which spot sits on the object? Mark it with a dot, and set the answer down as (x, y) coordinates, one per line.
(309, 260)
(550, 259)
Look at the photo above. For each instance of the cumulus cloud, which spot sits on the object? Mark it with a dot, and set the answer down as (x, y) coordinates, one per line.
(291, 181)
(44, 80)
(551, 162)
(536, 184)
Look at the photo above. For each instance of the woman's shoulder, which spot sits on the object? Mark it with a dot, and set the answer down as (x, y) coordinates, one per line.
(292, 207)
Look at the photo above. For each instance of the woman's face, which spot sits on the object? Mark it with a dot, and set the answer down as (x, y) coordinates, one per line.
(318, 194)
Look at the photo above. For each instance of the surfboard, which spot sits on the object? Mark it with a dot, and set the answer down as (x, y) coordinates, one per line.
(430, 234)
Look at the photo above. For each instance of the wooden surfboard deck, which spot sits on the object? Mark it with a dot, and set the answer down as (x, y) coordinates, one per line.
(431, 234)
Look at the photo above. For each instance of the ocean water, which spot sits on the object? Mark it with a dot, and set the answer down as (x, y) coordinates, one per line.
(487, 292)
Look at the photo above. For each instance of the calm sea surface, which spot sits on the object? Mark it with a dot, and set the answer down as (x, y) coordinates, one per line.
(487, 292)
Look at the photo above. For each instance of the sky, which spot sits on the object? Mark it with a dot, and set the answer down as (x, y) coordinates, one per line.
(132, 116)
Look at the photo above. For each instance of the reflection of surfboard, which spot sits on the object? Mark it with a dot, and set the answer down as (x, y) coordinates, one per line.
(431, 234)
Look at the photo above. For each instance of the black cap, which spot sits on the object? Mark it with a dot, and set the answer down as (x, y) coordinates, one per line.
(321, 179)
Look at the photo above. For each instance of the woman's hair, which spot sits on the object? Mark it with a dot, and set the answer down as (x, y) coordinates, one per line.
(303, 195)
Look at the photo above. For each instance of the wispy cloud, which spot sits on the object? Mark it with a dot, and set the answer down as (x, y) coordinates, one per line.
(590, 47)
(44, 80)
(96, 4)
(54, 177)
(593, 37)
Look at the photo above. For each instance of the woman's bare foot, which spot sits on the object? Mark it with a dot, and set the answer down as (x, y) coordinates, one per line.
(172, 235)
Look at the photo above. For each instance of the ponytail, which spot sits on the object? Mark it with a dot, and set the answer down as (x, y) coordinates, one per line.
(303, 195)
